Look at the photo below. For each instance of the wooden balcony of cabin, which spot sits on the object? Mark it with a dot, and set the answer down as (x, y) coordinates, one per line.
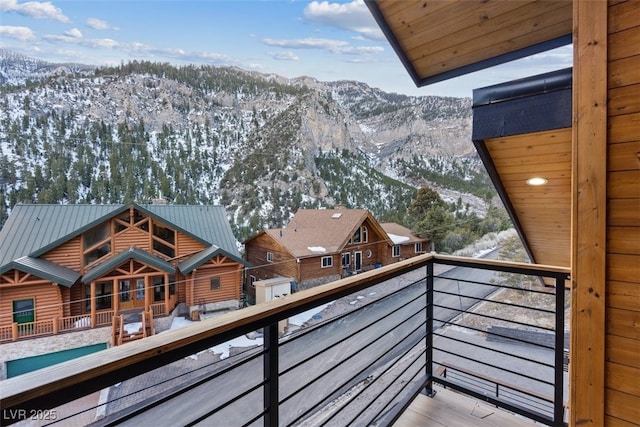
(454, 326)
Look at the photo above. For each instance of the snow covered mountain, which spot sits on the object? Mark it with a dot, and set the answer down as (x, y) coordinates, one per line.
(261, 145)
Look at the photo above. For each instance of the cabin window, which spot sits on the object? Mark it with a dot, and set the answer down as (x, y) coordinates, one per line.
(104, 291)
(122, 223)
(270, 256)
(214, 283)
(125, 287)
(164, 240)
(164, 233)
(158, 246)
(96, 235)
(395, 251)
(141, 221)
(419, 247)
(360, 235)
(140, 289)
(252, 281)
(327, 261)
(158, 288)
(23, 310)
(96, 243)
(97, 253)
(346, 259)
(172, 285)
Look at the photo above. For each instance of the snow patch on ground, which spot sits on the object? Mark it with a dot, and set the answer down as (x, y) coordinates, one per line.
(243, 341)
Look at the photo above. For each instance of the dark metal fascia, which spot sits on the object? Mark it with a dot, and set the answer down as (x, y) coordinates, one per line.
(497, 60)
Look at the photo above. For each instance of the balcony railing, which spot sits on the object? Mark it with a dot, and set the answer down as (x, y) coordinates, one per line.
(471, 325)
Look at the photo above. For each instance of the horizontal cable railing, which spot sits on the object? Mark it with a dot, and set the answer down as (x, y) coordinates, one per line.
(397, 332)
(500, 335)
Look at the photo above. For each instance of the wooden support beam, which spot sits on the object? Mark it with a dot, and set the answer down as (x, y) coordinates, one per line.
(589, 208)
(93, 303)
(167, 302)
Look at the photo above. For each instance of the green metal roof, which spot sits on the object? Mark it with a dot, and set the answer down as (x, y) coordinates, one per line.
(196, 260)
(131, 253)
(44, 269)
(32, 230)
(208, 224)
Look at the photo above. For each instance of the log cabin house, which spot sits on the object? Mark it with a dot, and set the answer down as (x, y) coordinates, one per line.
(587, 216)
(322, 245)
(65, 267)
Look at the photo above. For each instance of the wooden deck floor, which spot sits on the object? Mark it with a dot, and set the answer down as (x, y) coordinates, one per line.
(450, 409)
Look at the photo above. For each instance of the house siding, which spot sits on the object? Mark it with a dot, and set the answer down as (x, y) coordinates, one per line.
(47, 300)
(622, 349)
(284, 264)
(68, 254)
(132, 237)
(229, 284)
(311, 268)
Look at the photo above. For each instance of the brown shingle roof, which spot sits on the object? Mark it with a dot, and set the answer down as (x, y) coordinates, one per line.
(314, 232)
(401, 235)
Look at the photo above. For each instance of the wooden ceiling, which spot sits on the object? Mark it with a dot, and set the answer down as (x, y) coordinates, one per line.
(543, 212)
(441, 39)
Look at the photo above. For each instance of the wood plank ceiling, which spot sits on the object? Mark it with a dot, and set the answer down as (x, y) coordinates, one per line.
(544, 212)
(440, 39)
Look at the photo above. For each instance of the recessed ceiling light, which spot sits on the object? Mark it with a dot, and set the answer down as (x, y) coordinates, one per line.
(537, 181)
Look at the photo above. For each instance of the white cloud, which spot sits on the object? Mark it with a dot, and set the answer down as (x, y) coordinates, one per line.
(334, 46)
(284, 56)
(306, 43)
(19, 33)
(93, 43)
(353, 16)
(360, 50)
(34, 9)
(99, 24)
(74, 32)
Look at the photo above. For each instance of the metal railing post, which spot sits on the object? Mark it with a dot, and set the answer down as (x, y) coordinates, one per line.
(271, 415)
(429, 325)
(558, 391)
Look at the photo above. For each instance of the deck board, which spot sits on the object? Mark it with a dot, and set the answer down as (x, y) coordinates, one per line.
(449, 409)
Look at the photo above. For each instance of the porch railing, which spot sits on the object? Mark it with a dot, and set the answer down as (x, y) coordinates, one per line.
(71, 323)
(158, 309)
(53, 326)
(405, 325)
(104, 318)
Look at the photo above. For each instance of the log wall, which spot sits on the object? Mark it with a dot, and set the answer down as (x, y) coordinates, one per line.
(622, 340)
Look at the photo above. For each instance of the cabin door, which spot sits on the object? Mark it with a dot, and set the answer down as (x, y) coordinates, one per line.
(357, 261)
(131, 293)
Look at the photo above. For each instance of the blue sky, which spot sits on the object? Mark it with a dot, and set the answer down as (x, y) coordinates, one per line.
(328, 40)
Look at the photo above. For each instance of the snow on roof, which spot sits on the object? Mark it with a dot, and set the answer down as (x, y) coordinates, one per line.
(316, 249)
(397, 239)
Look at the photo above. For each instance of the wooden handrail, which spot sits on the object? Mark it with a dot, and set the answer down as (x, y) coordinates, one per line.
(77, 378)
